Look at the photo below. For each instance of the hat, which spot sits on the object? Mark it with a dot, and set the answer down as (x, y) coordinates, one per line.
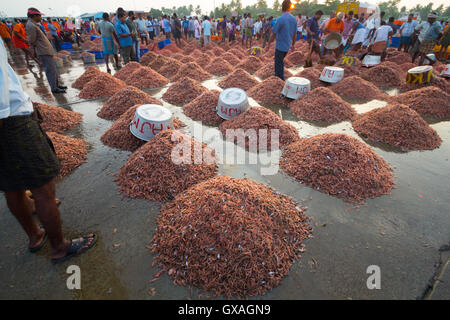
(340, 15)
(32, 11)
(432, 15)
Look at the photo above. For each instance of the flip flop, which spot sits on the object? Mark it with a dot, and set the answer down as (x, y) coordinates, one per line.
(38, 247)
(75, 246)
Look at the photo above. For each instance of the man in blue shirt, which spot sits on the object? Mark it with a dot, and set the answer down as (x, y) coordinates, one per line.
(54, 34)
(166, 26)
(126, 43)
(284, 31)
(313, 30)
(191, 28)
(206, 29)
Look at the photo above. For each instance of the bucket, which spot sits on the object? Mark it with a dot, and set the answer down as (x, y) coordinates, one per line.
(420, 75)
(370, 61)
(332, 74)
(149, 120)
(295, 87)
(256, 51)
(333, 41)
(232, 102)
(431, 56)
(446, 72)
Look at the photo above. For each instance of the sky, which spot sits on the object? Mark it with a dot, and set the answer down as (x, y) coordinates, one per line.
(65, 7)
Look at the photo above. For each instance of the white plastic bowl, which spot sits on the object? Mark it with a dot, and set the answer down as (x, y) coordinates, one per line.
(332, 74)
(232, 102)
(149, 120)
(295, 87)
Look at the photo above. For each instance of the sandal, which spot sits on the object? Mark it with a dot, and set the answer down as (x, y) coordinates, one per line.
(76, 248)
(39, 247)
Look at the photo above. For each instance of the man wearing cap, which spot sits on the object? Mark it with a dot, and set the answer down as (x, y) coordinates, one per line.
(336, 25)
(430, 38)
(43, 49)
(28, 162)
(285, 33)
(419, 33)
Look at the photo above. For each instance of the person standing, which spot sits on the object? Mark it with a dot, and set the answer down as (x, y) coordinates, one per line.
(266, 31)
(197, 29)
(185, 26)
(206, 30)
(176, 29)
(135, 54)
(166, 26)
(313, 30)
(248, 30)
(28, 162)
(445, 42)
(232, 31)
(43, 49)
(108, 33)
(191, 28)
(431, 37)
(5, 34)
(54, 34)
(406, 31)
(348, 25)
(285, 33)
(223, 27)
(142, 29)
(125, 40)
(150, 27)
(20, 41)
(300, 21)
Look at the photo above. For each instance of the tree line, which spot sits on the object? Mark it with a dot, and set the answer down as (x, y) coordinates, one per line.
(308, 7)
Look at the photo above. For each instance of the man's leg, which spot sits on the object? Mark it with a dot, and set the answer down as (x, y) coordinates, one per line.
(50, 71)
(279, 64)
(48, 213)
(107, 63)
(21, 207)
(135, 51)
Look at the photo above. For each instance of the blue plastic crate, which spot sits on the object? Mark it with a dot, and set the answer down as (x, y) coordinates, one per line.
(66, 45)
(98, 54)
(395, 42)
(164, 43)
(142, 51)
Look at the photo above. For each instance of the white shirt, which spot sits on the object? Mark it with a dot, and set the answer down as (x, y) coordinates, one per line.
(382, 33)
(197, 28)
(13, 100)
(423, 28)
